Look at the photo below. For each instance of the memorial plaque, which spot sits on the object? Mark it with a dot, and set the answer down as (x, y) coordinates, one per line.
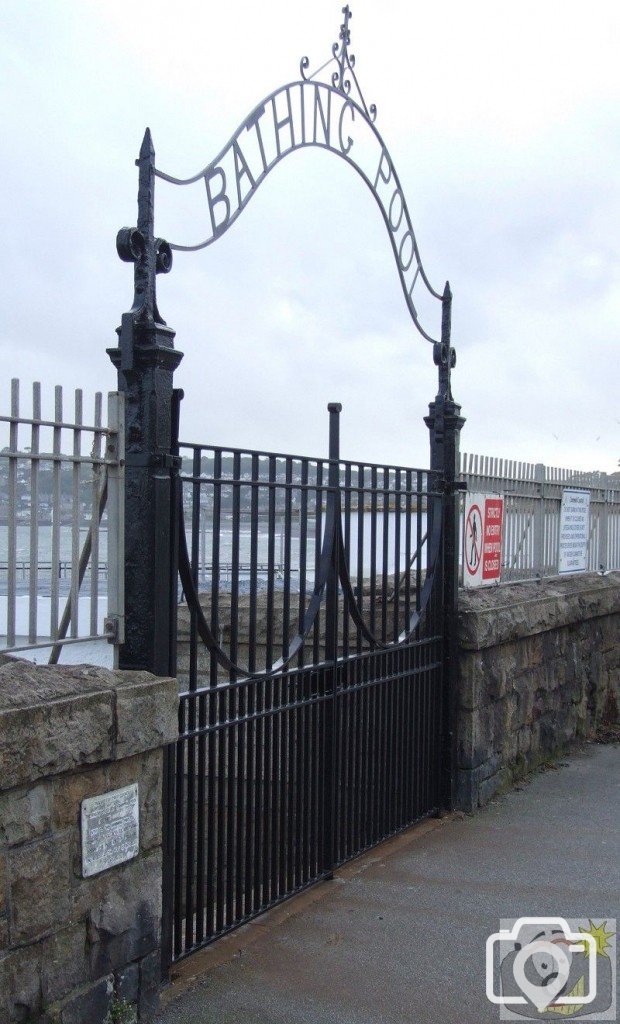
(110, 829)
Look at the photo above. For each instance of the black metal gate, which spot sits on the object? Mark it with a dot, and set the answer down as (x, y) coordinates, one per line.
(316, 637)
(310, 656)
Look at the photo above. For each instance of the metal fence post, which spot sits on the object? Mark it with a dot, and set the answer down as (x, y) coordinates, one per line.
(539, 519)
(603, 528)
(146, 361)
(115, 460)
(445, 422)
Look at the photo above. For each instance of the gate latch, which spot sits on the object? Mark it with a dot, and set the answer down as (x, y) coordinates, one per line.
(111, 629)
(163, 460)
(453, 487)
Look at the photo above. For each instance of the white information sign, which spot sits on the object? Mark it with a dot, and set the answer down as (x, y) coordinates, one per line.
(110, 829)
(482, 539)
(574, 531)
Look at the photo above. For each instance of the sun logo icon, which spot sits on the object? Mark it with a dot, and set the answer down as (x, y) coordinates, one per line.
(600, 936)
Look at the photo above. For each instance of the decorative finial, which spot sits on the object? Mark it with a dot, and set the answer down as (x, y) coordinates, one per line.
(138, 245)
(444, 356)
(342, 78)
(338, 78)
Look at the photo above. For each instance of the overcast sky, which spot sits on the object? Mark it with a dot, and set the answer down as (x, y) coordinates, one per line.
(503, 122)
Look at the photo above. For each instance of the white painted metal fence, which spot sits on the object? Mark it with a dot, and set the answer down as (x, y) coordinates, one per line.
(61, 523)
(533, 496)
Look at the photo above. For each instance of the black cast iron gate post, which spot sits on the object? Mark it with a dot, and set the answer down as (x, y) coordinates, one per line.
(146, 360)
(330, 731)
(445, 422)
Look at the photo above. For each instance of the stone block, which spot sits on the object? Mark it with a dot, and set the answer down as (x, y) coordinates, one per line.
(524, 686)
(39, 887)
(475, 737)
(548, 734)
(68, 791)
(150, 978)
(25, 813)
(123, 925)
(471, 681)
(534, 650)
(466, 795)
(492, 616)
(497, 673)
(555, 676)
(64, 964)
(535, 739)
(524, 740)
(127, 983)
(595, 667)
(497, 783)
(20, 985)
(468, 782)
(554, 642)
(3, 882)
(511, 713)
(509, 747)
(89, 1005)
(56, 718)
(147, 770)
(50, 728)
(146, 713)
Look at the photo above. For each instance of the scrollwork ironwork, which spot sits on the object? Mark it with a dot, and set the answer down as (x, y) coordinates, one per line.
(130, 244)
(327, 112)
(163, 256)
(344, 76)
(333, 549)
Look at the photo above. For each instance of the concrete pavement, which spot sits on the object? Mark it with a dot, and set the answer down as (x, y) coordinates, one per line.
(399, 935)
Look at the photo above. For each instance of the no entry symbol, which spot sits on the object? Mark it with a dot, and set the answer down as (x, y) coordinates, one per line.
(473, 540)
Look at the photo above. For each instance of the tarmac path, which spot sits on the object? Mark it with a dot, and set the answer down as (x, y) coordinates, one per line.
(399, 935)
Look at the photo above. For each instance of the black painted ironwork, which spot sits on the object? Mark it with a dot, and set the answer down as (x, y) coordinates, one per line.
(312, 698)
(146, 360)
(316, 641)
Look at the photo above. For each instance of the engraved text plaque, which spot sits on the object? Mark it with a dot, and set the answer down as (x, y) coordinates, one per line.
(110, 829)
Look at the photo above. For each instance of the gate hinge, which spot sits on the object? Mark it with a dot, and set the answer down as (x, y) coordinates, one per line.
(452, 487)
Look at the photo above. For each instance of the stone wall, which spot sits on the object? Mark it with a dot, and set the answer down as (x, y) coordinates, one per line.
(539, 669)
(71, 946)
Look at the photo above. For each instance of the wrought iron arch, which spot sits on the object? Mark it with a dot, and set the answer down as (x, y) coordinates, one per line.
(370, 733)
(305, 113)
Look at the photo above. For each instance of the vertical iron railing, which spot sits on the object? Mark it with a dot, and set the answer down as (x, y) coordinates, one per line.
(60, 528)
(309, 657)
(533, 498)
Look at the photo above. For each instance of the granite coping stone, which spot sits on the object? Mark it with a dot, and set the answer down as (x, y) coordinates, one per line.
(58, 718)
(490, 616)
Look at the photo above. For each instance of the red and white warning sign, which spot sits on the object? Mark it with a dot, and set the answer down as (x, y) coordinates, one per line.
(482, 539)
